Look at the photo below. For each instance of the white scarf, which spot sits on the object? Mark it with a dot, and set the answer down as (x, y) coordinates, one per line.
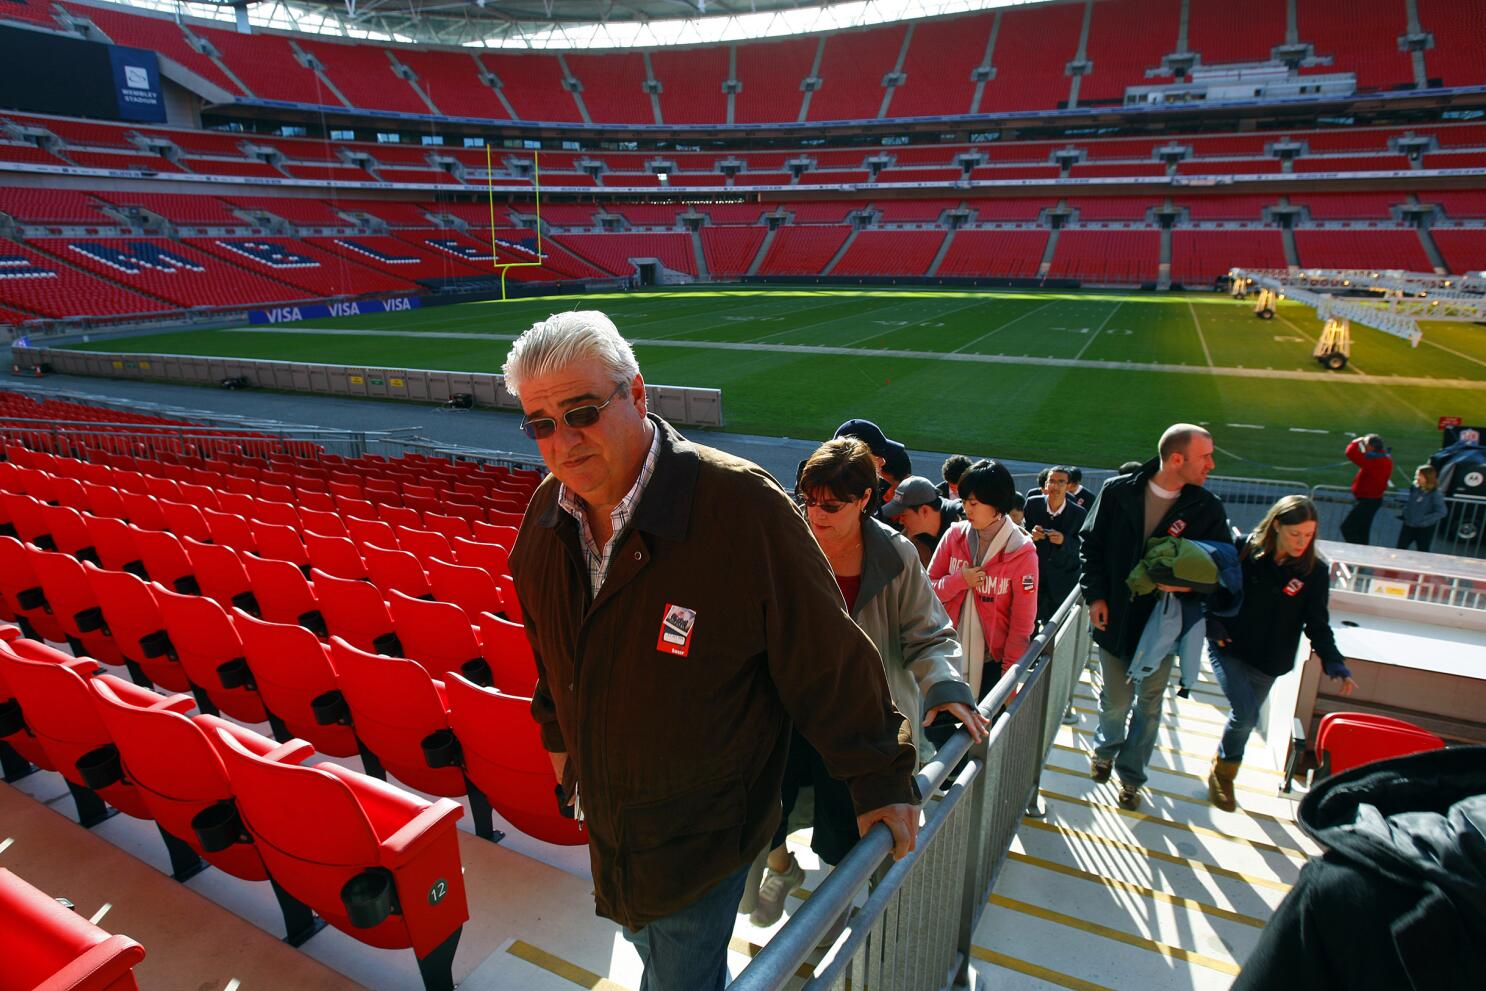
(973, 646)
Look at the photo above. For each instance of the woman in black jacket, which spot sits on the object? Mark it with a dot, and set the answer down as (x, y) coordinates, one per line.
(1285, 588)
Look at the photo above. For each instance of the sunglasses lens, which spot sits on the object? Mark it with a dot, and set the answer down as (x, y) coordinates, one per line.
(583, 416)
(538, 429)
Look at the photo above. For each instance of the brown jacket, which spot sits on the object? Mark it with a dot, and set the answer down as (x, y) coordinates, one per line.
(678, 749)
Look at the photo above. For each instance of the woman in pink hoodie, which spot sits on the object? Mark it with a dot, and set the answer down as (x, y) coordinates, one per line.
(985, 573)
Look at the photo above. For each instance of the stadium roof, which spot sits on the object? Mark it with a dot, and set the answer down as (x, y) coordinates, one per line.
(563, 24)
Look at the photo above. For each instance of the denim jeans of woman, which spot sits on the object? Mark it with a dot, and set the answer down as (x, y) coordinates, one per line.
(1246, 688)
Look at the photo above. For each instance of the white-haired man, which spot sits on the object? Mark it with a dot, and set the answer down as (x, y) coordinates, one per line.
(682, 618)
(1165, 497)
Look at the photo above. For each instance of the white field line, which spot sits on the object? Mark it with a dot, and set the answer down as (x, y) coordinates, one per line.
(1099, 329)
(996, 330)
(986, 359)
(1198, 324)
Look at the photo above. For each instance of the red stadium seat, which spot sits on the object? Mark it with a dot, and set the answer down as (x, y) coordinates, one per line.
(75, 608)
(504, 758)
(334, 556)
(279, 542)
(377, 863)
(220, 573)
(165, 559)
(393, 570)
(292, 669)
(507, 586)
(48, 947)
(326, 524)
(143, 511)
(283, 594)
(203, 497)
(23, 591)
(210, 650)
(27, 515)
(369, 531)
(162, 488)
(437, 635)
(184, 520)
(399, 516)
(471, 589)
(174, 762)
(58, 709)
(230, 530)
(513, 666)
(276, 512)
(356, 612)
(105, 500)
(114, 542)
(494, 558)
(495, 533)
(1348, 739)
(449, 526)
(312, 501)
(133, 619)
(424, 544)
(395, 705)
(70, 532)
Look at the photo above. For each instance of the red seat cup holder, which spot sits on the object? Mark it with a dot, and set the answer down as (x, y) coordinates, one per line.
(235, 673)
(441, 749)
(477, 669)
(329, 709)
(11, 719)
(370, 898)
(219, 826)
(101, 767)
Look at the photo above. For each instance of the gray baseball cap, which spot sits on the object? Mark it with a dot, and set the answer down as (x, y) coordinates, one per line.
(913, 492)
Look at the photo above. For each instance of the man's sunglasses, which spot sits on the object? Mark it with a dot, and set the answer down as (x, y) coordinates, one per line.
(578, 417)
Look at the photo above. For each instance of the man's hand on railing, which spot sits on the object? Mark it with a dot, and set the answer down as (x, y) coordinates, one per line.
(1099, 613)
(967, 715)
(901, 819)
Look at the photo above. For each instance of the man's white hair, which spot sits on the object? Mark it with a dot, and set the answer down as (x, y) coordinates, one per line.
(565, 338)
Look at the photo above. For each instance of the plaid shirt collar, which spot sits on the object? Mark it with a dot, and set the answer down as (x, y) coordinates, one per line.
(597, 558)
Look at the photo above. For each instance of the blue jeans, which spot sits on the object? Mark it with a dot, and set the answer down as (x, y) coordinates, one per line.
(1246, 688)
(1127, 725)
(688, 950)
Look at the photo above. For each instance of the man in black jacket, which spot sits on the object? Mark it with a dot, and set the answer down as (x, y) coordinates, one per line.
(1054, 520)
(1165, 498)
(1398, 901)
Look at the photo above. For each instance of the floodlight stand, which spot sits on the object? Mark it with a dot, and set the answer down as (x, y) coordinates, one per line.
(1335, 344)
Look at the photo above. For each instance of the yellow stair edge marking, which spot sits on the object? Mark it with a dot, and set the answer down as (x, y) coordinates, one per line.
(1119, 936)
(1187, 753)
(571, 972)
(1161, 896)
(1033, 970)
(1074, 835)
(1074, 773)
(1183, 717)
(1291, 852)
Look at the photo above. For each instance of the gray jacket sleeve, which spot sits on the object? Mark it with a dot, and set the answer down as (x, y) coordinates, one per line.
(931, 649)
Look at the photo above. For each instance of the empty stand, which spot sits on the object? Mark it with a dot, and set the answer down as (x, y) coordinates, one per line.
(770, 74)
(730, 251)
(533, 84)
(901, 252)
(852, 68)
(365, 76)
(803, 250)
(1211, 31)
(613, 87)
(157, 33)
(1015, 254)
(1361, 249)
(452, 81)
(171, 271)
(1033, 47)
(1199, 258)
(691, 82)
(50, 287)
(1125, 40)
(612, 252)
(1113, 256)
(937, 71)
(1464, 250)
(1459, 38)
(1372, 52)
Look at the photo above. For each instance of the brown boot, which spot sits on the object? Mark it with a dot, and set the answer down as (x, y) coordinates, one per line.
(1220, 784)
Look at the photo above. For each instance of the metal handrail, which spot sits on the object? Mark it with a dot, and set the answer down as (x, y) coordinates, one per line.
(780, 959)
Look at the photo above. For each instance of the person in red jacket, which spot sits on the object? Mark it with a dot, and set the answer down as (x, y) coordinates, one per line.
(1374, 469)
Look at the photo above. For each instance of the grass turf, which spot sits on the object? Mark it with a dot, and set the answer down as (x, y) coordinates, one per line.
(1077, 378)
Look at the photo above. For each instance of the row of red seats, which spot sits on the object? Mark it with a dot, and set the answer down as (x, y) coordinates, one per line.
(222, 794)
(47, 946)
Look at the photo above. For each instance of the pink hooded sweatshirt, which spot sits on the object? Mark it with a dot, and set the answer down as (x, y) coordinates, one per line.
(1006, 598)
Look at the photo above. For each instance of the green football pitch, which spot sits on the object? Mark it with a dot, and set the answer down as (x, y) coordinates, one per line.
(1081, 377)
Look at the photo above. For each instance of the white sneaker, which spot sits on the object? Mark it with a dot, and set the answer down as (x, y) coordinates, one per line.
(749, 901)
(773, 892)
